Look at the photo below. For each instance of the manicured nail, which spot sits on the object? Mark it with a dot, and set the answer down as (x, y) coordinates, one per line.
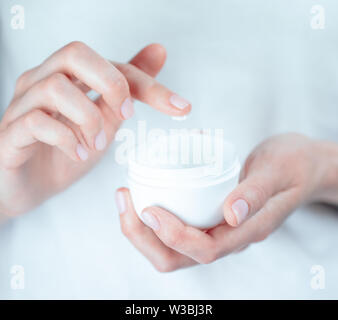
(101, 140)
(240, 209)
(82, 152)
(120, 202)
(179, 102)
(127, 108)
(150, 220)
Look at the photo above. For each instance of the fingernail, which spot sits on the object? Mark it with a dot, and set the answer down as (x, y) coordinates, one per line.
(120, 202)
(101, 140)
(179, 102)
(150, 220)
(82, 152)
(240, 209)
(127, 108)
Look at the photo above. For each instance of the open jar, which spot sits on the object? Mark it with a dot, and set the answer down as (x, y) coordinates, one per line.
(187, 174)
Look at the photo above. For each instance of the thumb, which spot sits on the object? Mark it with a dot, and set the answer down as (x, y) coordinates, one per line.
(249, 197)
(150, 59)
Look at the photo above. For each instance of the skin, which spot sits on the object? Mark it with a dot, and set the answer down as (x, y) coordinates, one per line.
(281, 174)
(50, 118)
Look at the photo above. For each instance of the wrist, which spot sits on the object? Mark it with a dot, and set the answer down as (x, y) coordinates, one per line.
(328, 169)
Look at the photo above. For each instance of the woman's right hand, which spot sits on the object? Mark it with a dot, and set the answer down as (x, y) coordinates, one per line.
(280, 174)
(52, 133)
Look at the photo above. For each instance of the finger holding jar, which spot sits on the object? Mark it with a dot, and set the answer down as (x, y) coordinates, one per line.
(281, 174)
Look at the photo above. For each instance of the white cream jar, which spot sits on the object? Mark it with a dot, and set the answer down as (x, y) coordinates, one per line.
(193, 188)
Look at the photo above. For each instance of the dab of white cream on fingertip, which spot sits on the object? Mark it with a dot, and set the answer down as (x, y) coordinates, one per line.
(179, 118)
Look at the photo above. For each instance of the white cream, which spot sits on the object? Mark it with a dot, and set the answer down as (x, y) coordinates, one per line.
(191, 183)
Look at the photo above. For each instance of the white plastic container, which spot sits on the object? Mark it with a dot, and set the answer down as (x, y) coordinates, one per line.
(193, 192)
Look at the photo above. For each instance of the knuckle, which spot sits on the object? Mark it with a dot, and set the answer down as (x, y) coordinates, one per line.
(66, 137)
(92, 119)
(22, 79)
(31, 119)
(55, 84)
(248, 162)
(174, 239)
(151, 89)
(120, 83)
(258, 194)
(73, 49)
(115, 82)
(127, 70)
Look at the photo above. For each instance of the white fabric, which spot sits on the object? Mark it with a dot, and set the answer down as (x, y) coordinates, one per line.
(254, 68)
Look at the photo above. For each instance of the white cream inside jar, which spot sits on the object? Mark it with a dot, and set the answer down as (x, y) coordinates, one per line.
(188, 174)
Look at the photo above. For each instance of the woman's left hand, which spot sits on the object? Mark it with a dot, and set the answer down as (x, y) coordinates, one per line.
(279, 175)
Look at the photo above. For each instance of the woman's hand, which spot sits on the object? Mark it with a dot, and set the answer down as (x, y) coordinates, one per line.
(279, 175)
(52, 133)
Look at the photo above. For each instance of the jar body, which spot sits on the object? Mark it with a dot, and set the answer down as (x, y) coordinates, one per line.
(198, 206)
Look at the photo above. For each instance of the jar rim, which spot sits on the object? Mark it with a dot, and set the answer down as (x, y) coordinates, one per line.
(199, 175)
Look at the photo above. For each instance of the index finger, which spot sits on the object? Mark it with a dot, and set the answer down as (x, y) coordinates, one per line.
(145, 88)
